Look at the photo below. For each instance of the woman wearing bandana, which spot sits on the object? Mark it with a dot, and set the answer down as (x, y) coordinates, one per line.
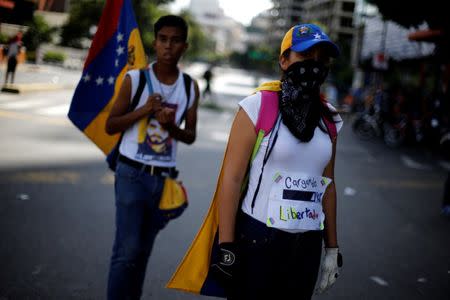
(271, 237)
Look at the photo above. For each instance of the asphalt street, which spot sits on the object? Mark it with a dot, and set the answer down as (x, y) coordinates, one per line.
(57, 208)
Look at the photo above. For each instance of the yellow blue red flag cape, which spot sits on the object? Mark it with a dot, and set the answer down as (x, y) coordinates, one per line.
(192, 273)
(116, 48)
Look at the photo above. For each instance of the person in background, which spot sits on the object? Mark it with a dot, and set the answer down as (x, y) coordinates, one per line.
(14, 46)
(208, 75)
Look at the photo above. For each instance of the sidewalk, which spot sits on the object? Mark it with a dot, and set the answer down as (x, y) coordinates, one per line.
(31, 78)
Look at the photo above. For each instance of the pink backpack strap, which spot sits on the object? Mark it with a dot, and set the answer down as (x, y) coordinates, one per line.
(332, 131)
(268, 112)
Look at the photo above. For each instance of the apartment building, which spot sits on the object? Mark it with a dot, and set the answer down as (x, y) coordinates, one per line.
(336, 16)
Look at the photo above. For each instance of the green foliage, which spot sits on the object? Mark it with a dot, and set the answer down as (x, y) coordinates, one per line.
(147, 12)
(3, 38)
(259, 58)
(86, 13)
(83, 15)
(39, 32)
(200, 47)
(54, 57)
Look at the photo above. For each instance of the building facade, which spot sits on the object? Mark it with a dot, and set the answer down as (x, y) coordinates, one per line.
(336, 16)
(227, 34)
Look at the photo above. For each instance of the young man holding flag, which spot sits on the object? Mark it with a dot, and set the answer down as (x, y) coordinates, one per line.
(111, 101)
(148, 152)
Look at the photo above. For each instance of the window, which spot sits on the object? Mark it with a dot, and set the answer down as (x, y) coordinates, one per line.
(348, 6)
(346, 22)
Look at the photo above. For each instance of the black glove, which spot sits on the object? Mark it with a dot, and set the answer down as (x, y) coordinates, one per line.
(224, 263)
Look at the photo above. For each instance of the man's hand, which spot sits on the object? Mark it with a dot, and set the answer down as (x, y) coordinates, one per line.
(153, 103)
(166, 117)
(224, 264)
(330, 269)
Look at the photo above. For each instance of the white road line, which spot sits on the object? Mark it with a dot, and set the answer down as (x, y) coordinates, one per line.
(379, 280)
(58, 110)
(410, 163)
(219, 136)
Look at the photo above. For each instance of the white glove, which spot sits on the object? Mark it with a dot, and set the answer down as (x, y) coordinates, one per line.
(329, 270)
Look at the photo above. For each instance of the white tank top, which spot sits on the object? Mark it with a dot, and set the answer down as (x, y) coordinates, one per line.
(288, 155)
(146, 141)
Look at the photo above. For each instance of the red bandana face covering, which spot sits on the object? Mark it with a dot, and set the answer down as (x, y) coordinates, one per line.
(300, 97)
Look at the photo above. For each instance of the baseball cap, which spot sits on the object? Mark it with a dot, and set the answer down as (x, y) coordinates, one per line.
(301, 37)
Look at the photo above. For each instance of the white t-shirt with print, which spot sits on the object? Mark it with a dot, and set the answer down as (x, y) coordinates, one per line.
(288, 155)
(146, 141)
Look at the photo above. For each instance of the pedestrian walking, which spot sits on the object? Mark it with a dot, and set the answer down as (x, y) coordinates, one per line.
(148, 152)
(208, 75)
(270, 239)
(14, 46)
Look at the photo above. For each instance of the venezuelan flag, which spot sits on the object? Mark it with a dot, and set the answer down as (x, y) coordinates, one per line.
(116, 48)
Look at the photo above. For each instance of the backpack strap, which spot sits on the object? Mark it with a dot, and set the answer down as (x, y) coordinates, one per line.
(139, 91)
(331, 127)
(187, 89)
(267, 116)
(268, 112)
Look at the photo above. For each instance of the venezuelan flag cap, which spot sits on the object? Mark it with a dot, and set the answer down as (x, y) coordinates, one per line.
(302, 37)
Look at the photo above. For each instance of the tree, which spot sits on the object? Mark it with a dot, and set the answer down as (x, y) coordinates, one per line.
(83, 15)
(39, 32)
(86, 13)
(199, 45)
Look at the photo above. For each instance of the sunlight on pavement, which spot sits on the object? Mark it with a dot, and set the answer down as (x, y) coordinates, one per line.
(47, 177)
(31, 117)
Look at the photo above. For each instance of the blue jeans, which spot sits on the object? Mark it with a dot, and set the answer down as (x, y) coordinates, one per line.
(137, 198)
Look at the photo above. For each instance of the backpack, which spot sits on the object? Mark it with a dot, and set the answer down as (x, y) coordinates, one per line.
(144, 79)
(192, 274)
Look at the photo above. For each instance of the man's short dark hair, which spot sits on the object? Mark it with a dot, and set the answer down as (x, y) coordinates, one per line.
(171, 21)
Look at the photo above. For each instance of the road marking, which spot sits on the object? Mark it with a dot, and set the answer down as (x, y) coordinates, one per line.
(219, 136)
(348, 191)
(410, 163)
(58, 110)
(379, 280)
(23, 197)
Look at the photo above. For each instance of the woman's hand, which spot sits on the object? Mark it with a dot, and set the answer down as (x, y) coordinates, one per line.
(330, 269)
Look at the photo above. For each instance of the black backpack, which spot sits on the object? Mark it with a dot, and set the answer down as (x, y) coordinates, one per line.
(113, 156)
